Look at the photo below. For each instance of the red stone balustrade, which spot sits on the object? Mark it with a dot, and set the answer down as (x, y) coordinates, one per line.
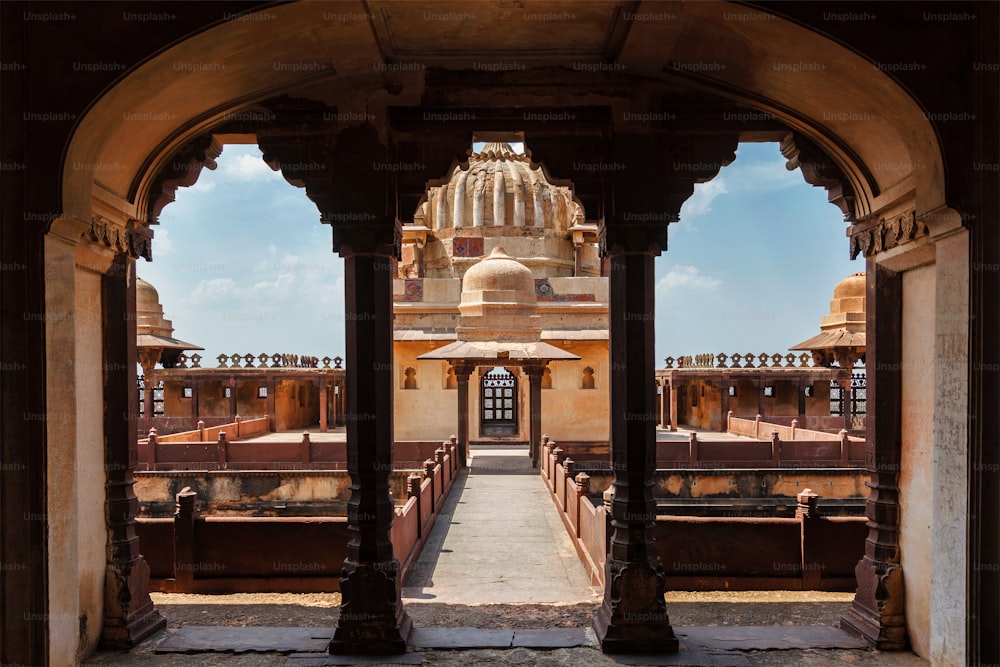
(808, 552)
(191, 553)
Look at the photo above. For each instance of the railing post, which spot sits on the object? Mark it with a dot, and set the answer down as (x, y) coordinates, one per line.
(185, 515)
(756, 427)
(556, 454)
(775, 449)
(808, 515)
(568, 470)
(429, 474)
(239, 423)
(154, 440)
(729, 421)
(795, 425)
(413, 481)
(845, 448)
(582, 496)
(305, 449)
(223, 451)
(201, 431)
(693, 454)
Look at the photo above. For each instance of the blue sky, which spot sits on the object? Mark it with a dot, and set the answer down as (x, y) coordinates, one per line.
(242, 263)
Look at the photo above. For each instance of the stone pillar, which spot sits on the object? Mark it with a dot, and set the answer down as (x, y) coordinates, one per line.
(129, 616)
(322, 404)
(802, 399)
(418, 254)
(724, 409)
(233, 400)
(372, 619)
(194, 400)
(462, 373)
(534, 374)
(673, 407)
(633, 617)
(665, 405)
(877, 612)
(272, 388)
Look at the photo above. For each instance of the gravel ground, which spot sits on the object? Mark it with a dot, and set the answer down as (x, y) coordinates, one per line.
(322, 610)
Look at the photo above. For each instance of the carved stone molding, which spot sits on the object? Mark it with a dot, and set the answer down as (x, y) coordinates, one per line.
(134, 239)
(819, 170)
(872, 235)
(182, 170)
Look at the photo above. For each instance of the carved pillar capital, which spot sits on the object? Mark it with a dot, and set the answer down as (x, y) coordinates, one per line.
(627, 238)
(382, 237)
(873, 234)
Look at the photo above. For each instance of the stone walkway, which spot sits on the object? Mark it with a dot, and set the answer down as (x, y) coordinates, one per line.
(499, 539)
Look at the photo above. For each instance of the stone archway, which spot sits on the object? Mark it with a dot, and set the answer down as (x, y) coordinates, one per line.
(103, 216)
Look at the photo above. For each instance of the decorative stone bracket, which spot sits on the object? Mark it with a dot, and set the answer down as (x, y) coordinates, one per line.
(872, 235)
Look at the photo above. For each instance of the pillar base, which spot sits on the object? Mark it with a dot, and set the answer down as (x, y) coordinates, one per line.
(877, 613)
(129, 614)
(372, 620)
(633, 617)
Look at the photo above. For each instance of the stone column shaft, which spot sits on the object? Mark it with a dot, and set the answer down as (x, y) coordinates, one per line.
(534, 374)
(129, 615)
(633, 617)
(877, 612)
(462, 373)
(322, 404)
(372, 619)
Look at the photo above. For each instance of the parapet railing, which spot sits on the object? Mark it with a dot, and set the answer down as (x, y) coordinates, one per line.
(213, 449)
(809, 552)
(745, 360)
(191, 553)
(759, 429)
(240, 428)
(262, 360)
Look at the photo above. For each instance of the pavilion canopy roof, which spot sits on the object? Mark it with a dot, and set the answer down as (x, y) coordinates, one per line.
(500, 350)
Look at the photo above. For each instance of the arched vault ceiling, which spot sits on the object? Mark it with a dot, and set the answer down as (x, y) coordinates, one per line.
(362, 56)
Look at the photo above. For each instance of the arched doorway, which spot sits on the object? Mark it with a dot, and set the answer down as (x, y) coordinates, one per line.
(499, 399)
(202, 97)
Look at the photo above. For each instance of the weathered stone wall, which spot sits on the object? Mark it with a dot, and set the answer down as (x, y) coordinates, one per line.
(916, 465)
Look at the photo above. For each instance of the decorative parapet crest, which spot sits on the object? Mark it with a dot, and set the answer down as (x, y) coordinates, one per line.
(277, 361)
(737, 360)
(872, 235)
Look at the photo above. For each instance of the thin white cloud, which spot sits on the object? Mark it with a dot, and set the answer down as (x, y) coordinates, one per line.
(162, 244)
(700, 203)
(246, 168)
(202, 185)
(763, 177)
(214, 290)
(687, 277)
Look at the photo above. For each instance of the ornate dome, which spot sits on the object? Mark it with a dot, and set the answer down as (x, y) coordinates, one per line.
(498, 300)
(500, 188)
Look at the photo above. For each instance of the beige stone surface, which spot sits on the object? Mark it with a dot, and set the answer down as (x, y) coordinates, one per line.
(916, 478)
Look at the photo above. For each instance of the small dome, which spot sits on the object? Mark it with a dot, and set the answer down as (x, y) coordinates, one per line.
(851, 286)
(498, 301)
(149, 312)
(499, 272)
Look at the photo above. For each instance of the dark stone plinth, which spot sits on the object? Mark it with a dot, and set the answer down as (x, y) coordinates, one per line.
(633, 617)
(372, 620)
(877, 614)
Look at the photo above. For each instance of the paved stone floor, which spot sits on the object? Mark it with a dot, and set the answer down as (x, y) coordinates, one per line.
(470, 589)
(499, 539)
